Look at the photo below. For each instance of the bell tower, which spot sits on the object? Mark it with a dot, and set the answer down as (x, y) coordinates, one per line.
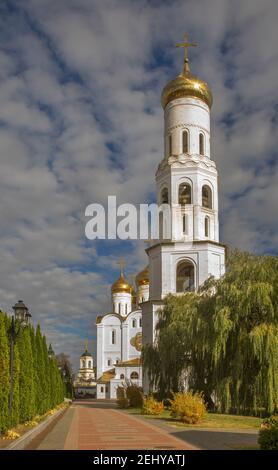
(187, 180)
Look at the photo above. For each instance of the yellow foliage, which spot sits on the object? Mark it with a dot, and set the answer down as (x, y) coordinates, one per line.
(152, 407)
(189, 407)
(11, 435)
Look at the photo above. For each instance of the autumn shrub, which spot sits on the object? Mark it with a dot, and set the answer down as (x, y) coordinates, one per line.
(189, 407)
(268, 434)
(122, 400)
(135, 396)
(152, 407)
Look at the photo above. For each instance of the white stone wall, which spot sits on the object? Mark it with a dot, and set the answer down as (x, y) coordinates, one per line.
(125, 329)
(191, 114)
(122, 303)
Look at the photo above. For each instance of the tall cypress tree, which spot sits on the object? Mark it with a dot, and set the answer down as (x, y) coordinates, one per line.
(26, 377)
(4, 374)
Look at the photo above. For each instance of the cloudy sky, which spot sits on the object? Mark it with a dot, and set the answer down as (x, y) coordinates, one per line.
(80, 118)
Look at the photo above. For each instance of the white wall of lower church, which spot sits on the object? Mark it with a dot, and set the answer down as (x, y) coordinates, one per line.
(116, 340)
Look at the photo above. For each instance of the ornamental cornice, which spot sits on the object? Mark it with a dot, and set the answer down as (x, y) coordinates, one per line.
(185, 126)
(182, 161)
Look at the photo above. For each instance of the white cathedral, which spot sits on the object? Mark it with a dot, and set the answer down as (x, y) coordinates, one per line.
(187, 180)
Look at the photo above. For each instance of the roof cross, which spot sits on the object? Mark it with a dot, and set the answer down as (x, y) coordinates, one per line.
(121, 263)
(186, 44)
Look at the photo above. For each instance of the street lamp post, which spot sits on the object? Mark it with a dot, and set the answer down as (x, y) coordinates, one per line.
(23, 316)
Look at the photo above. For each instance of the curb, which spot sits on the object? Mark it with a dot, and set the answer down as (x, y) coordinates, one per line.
(21, 442)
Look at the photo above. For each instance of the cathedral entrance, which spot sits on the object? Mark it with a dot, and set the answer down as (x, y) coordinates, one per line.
(185, 280)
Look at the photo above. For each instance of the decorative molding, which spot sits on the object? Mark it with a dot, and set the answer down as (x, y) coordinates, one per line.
(184, 126)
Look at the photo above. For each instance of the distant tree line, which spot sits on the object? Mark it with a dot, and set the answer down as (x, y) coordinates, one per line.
(223, 340)
(39, 384)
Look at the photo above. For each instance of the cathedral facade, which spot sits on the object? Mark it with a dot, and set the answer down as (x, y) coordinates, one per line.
(119, 336)
(188, 250)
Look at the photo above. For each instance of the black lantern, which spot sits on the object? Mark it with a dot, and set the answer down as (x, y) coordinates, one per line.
(21, 312)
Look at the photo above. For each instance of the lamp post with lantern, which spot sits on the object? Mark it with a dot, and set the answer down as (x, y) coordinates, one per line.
(23, 316)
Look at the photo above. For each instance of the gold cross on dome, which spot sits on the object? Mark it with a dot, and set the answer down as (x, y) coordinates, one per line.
(122, 264)
(186, 44)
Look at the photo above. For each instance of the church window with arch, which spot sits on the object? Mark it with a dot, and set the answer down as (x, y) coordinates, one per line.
(109, 362)
(164, 196)
(134, 375)
(185, 280)
(201, 144)
(113, 336)
(206, 197)
(185, 141)
(122, 376)
(170, 144)
(89, 364)
(185, 194)
(84, 364)
(207, 227)
(134, 323)
(185, 224)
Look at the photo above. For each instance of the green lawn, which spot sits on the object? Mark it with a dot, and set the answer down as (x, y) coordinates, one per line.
(212, 420)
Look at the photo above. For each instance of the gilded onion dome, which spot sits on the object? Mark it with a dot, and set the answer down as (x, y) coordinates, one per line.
(186, 84)
(121, 285)
(143, 278)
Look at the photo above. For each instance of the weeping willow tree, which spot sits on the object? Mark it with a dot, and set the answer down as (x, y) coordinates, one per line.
(222, 341)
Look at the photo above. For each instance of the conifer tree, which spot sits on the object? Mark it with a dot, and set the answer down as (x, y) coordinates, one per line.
(4, 374)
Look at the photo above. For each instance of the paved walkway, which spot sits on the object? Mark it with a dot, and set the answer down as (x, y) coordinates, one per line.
(91, 425)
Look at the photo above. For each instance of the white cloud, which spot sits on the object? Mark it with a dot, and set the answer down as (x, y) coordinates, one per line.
(77, 76)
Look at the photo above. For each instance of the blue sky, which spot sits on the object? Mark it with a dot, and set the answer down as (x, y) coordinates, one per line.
(80, 118)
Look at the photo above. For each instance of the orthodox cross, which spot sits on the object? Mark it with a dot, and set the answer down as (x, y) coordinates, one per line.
(121, 263)
(186, 44)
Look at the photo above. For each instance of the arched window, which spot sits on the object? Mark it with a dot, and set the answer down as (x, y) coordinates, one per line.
(140, 321)
(109, 362)
(170, 144)
(185, 277)
(90, 364)
(201, 144)
(185, 224)
(133, 323)
(164, 196)
(122, 376)
(161, 225)
(206, 197)
(113, 337)
(119, 309)
(126, 309)
(184, 194)
(84, 364)
(101, 389)
(207, 226)
(134, 375)
(185, 142)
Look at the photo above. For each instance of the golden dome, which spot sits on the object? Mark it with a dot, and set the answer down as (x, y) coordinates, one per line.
(186, 84)
(143, 278)
(183, 85)
(121, 285)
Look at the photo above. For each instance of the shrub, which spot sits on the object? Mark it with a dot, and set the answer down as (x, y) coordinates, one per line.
(189, 407)
(122, 400)
(268, 434)
(152, 407)
(135, 396)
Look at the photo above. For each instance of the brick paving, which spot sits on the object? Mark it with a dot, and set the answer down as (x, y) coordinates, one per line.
(96, 426)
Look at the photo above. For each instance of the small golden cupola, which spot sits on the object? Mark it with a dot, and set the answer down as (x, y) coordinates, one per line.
(121, 285)
(143, 285)
(122, 292)
(186, 84)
